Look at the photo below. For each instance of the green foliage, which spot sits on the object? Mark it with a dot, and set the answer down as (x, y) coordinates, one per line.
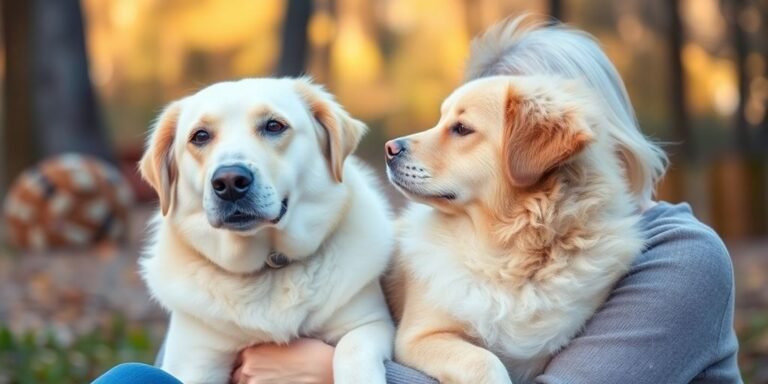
(753, 348)
(43, 358)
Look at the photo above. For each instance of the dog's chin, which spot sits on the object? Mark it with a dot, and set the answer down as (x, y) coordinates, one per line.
(247, 221)
(421, 193)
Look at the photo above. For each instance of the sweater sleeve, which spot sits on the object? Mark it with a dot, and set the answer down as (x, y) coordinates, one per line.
(668, 321)
(400, 374)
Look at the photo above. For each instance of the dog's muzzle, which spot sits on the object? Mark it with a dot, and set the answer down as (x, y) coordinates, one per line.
(240, 201)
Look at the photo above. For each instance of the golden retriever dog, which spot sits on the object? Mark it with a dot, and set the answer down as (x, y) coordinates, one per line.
(522, 218)
(267, 229)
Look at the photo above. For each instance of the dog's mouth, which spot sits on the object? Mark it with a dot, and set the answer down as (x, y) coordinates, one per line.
(240, 220)
(412, 180)
(239, 217)
(418, 192)
(283, 210)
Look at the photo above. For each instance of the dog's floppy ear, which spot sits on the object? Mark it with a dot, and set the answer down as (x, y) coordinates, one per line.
(540, 134)
(342, 131)
(157, 166)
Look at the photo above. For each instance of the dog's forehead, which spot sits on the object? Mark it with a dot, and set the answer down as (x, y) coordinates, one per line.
(245, 96)
(256, 87)
(482, 94)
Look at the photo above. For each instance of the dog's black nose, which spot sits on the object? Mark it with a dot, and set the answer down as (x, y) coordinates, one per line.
(394, 148)
(231, 182)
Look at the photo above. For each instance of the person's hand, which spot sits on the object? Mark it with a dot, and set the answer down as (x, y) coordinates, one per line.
(302, 361)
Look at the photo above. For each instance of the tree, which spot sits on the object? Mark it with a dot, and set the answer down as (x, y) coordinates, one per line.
(748, 143)
(293, 53)
(556, 9)
(732, 10)
(50, 104)
(680, 121)
(18, 147)
(66, 114)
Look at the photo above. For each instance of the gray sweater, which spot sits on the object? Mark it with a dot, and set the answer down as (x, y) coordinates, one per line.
(669, 320)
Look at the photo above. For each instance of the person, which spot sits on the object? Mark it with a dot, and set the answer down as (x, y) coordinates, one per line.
(668, 320)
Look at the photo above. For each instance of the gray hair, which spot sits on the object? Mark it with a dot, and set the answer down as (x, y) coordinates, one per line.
(524, 46)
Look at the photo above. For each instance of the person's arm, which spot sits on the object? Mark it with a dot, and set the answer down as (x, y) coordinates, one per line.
(667, 321)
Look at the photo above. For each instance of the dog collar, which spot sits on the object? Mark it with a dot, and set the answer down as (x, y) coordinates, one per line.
(277, 260)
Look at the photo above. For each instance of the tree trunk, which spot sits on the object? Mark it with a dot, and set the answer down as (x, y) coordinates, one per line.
(693, 175)
(747, 140)
(680, 120)
(556, 9)
(762, 144)
(739, 39)
(66, 114)
(293, 54)
(18, 139)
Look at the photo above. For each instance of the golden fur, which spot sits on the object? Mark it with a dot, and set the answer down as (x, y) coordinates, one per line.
(518, 232)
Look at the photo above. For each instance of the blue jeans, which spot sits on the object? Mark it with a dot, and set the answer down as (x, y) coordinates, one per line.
(136, 373)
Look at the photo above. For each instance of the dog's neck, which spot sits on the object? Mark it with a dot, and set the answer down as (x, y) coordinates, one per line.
(309, 222)
(514, 214)
(525, 226)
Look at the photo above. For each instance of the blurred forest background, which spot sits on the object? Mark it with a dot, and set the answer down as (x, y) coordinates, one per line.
(89, 76)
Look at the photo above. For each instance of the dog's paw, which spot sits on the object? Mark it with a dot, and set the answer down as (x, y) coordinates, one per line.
(497, 374)
(359, 373)
(484, 369)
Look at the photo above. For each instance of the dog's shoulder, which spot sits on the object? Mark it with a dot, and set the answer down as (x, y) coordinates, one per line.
(433, 248)
(364, 239)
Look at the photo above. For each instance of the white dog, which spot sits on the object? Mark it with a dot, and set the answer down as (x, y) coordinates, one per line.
(268, 231)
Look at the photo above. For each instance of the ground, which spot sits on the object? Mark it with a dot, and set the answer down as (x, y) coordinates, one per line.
(93, 302)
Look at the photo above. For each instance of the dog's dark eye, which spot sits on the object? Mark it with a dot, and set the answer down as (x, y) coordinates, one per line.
(200, 137)
(461, 130)
(274, 127)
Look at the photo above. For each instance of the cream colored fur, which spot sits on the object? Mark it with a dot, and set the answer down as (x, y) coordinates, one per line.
(493, 280)
(336, 231)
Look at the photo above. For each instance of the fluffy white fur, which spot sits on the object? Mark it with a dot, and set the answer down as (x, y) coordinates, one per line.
(336, 231)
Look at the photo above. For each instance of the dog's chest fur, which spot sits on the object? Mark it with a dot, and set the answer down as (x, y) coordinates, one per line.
(523, 320)
(274, 305)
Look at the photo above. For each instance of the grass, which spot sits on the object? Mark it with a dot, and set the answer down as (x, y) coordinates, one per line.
(753, 347)
(42, 358)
